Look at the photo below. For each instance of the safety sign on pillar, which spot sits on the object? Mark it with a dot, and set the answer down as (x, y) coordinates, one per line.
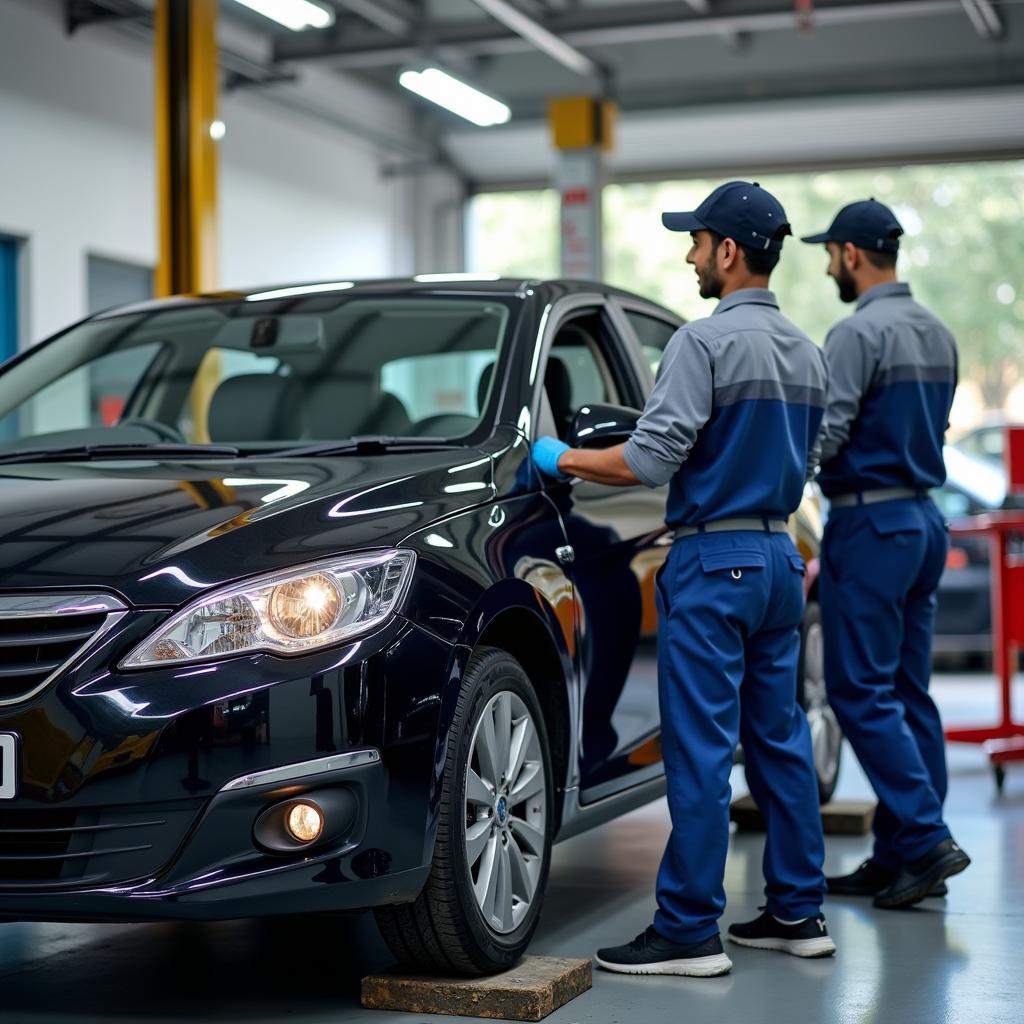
(582, 130)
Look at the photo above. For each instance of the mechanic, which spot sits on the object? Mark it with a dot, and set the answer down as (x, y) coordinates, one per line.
(892, 374)
(735, 409)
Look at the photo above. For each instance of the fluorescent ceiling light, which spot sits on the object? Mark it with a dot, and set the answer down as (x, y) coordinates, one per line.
(293, 14)
(301, 289)
(441, 88)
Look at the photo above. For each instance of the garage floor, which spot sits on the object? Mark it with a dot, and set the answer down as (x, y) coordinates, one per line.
(952, 962)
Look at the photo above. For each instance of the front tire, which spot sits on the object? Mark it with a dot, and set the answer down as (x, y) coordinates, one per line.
(482, 900)
(826, 735)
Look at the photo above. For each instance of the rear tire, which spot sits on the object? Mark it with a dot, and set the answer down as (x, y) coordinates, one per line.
(482, 900)
(826, 735)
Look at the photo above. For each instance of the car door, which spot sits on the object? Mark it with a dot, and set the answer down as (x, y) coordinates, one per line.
(618, 541)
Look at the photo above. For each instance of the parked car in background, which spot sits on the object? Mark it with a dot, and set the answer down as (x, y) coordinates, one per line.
(986, 442)
(289, 621)
(963, 624)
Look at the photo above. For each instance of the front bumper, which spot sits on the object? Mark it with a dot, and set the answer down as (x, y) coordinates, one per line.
(139, 792)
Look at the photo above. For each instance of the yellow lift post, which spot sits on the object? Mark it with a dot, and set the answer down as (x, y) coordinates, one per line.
(186, 151)
(186, 158)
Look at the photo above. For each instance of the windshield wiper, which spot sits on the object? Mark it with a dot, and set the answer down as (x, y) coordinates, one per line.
(157, 450)
(370, 444)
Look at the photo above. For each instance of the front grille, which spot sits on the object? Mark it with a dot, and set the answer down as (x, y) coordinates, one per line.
(40, 633)
(90, 846)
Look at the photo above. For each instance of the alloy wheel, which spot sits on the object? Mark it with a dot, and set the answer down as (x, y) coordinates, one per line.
(826, 735)
(506, 811)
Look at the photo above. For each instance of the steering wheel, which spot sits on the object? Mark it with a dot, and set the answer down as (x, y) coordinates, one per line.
(161, 431)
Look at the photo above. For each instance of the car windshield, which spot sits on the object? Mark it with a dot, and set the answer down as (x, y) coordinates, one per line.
(274, 372)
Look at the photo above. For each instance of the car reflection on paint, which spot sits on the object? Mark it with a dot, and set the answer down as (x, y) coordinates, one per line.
(289, 621)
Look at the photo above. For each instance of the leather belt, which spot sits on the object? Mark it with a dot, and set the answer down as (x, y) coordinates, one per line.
(880, 494)
(726, 525)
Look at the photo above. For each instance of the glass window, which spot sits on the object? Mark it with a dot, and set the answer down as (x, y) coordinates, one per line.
(438, 384)
(274, 371)
(217, 366)
(951, 503)
(653, 334)
(91, 395)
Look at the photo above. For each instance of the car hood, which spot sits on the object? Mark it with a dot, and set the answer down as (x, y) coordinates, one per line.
(159, 533)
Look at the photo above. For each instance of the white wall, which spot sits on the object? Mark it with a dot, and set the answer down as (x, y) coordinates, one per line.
(299, 198)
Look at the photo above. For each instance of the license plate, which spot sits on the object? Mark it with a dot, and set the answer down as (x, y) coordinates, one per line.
(8, 765)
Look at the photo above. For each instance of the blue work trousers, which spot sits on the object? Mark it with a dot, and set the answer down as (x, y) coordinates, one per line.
(730, 607)
(880, 570)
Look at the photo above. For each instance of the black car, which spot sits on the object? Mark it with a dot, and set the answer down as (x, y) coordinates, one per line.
(289, 622)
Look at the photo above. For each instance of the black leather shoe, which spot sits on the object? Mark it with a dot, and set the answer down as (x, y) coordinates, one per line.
(650, 953)
(868, 880)
(917, 879)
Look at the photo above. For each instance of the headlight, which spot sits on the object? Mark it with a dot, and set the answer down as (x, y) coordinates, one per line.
(289, 612)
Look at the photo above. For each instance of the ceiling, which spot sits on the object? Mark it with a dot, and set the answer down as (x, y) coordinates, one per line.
(653, 54)
(839, 77)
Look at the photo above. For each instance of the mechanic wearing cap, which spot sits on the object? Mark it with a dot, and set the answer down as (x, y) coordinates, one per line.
(730, 423)
(892, 374)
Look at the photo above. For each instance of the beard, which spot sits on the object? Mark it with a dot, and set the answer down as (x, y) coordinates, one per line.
(709, 282)
(846, 285)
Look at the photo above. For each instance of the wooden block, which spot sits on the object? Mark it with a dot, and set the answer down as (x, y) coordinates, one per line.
(838, 817)
(535, 987)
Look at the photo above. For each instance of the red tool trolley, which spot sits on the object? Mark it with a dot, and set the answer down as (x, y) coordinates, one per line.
(1003, 741)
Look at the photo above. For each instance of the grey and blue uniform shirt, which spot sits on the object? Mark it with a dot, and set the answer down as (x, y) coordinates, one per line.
(892, 374)
(734, 414)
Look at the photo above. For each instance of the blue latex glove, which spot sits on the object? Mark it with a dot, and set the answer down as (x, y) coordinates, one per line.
(546, 453)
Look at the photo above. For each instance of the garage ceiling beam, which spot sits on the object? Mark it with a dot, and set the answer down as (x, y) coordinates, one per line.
(390, 15)
(985, 18)
(537, 35)
(593, 26)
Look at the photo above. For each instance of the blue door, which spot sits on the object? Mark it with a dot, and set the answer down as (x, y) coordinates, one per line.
(8, 298)
(8, 317)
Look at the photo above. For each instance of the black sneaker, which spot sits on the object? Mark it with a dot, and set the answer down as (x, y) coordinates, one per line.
(649, 953)
(868, 880)
(809, 938)
(918, 879)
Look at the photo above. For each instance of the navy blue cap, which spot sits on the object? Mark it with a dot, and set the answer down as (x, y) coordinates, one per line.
(740, 210)
(868, 225)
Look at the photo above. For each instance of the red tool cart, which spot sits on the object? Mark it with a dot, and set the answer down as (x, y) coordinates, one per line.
(1003, 741)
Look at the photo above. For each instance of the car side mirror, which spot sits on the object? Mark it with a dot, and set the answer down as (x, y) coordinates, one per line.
(601, 426)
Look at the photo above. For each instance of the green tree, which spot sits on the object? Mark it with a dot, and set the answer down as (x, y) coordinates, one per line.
(962, 253)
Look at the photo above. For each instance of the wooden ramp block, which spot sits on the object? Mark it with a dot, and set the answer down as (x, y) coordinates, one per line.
(838, 817)
(535, 987)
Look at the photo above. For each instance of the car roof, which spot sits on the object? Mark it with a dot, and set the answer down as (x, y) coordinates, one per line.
(547, 290)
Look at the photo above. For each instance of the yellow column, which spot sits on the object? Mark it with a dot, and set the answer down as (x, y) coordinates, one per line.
(186, 107)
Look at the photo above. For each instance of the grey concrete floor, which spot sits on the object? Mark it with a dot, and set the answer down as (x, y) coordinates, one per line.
(958, 960)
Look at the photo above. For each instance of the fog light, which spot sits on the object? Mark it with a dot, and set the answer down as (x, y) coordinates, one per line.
(304, 822)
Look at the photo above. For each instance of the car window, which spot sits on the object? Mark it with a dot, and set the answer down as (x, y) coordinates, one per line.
(653, 334)
(437, 384)
(217, 366)
(952, 503)
(266, 371)
(91, 395)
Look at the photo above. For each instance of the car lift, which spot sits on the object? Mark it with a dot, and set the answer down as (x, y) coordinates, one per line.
(1004, 740)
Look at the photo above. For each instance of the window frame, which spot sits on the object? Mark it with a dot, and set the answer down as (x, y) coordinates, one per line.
(628, 364)
(624, 305)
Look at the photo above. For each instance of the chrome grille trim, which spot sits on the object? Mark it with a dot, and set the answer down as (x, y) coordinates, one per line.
(50, 605)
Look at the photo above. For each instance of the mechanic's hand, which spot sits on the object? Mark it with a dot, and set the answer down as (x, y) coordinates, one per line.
(546, 453)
